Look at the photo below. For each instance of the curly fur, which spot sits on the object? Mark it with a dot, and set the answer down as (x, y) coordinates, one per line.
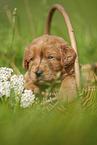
(50, 55)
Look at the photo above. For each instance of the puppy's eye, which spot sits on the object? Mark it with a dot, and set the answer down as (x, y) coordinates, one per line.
(31, 59)
(50, 57)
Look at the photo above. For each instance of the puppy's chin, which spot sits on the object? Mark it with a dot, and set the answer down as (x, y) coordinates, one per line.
(41, 81)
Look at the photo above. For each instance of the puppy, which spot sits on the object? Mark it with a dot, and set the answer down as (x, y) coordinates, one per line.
(44, 58)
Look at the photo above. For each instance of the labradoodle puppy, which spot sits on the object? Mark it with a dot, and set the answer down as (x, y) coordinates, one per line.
(44, 58)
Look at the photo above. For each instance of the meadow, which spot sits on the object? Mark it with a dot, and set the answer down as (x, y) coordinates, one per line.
(72, 123)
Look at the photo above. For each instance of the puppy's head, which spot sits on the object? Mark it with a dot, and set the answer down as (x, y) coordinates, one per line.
(46, 56)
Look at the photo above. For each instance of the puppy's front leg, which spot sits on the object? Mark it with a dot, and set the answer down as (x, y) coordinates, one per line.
(30, 86)
(68, 90)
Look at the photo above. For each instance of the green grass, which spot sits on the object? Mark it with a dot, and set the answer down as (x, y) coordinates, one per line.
(69, 123)
(64, 124)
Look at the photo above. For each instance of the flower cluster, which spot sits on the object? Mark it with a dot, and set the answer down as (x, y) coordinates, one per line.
(5, 89)
(5, 73)
(27, 99)
(15, 83)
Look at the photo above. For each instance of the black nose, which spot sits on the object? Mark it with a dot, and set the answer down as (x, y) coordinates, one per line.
(38, 73)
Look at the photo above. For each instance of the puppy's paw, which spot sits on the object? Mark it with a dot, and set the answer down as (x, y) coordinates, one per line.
(31, 86)
(36, 90)
(68, 90)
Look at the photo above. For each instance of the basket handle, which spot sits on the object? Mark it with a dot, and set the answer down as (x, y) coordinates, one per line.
(71, 35)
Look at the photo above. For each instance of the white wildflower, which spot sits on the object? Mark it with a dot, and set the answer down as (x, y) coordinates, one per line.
(5, 73)
(27, 99)
(17, 83)
(5, 89)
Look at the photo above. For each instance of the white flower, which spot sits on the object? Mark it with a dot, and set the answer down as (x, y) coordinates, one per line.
(5, 89)
(17, 83)
(5, 73)
(27, 99)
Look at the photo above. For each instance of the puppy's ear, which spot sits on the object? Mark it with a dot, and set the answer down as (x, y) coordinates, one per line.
(68, 55)
(26, 59)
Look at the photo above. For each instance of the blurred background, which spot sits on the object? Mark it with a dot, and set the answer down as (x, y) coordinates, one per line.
(71, 123)
(30, 23)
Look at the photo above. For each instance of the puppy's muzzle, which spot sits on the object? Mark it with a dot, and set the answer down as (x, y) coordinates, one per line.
(39, 73)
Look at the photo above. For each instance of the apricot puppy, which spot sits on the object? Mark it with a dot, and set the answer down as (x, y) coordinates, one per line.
(44, 58)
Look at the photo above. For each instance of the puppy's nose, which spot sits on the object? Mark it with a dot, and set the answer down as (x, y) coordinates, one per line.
(38, 73)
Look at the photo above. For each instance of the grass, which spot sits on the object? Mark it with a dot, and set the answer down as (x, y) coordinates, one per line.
(64, 124)
(70, 123)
